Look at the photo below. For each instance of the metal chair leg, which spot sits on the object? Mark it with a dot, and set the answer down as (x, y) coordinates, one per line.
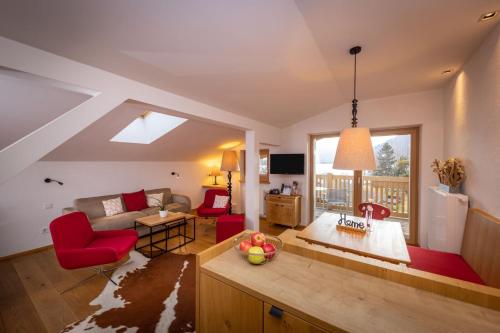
(113, 268)
(108, 277)
(98, 271)
(80, 283)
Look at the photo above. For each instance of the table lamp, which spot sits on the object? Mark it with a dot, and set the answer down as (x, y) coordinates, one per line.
(214, 172)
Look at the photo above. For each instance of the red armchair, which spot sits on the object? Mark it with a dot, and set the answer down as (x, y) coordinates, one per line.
(206, 208)
(77, 245)
(379, 212)
(228, 226)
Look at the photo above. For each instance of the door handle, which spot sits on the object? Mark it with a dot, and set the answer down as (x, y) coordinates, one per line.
(276, 312)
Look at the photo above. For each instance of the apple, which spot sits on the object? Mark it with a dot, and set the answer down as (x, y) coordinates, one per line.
(256, 255)
(269, 250)
(245, 246)
(258, 239)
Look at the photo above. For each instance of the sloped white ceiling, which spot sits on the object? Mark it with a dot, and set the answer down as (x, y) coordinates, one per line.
(275, 61)
(191, 141)
(28, 102)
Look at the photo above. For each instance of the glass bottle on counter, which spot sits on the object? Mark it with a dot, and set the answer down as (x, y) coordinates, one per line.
(369, 213)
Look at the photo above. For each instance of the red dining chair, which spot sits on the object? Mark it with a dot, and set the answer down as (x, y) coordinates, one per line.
(206, 208)
(379, 212)
(77, 246)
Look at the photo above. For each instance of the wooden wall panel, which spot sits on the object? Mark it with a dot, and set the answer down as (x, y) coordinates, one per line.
(481, 246)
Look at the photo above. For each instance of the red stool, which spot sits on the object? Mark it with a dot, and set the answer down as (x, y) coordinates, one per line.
(228, 226)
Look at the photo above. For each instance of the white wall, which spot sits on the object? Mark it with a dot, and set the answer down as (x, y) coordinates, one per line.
(472, 123)
(111, 91)
(21, 217)
(424, 109)
(22, 212)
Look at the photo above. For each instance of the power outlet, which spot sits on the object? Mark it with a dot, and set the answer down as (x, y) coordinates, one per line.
(45, 230)
(48, 206)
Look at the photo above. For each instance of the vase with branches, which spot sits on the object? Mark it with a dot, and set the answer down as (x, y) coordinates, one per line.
(451, 173)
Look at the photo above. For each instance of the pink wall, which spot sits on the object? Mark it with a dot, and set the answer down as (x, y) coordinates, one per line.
(472, 123)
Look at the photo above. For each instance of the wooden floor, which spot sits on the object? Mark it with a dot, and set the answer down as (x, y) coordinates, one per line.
(30, 299)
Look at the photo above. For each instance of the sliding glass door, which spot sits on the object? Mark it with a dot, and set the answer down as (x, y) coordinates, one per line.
(333, 189)
(393, 184)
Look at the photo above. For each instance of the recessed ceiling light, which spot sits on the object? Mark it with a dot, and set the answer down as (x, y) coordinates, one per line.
(447, 71)
(488, 16)
(147, 128)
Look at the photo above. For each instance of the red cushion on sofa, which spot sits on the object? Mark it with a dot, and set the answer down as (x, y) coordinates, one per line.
(135, 201)
(442, 263)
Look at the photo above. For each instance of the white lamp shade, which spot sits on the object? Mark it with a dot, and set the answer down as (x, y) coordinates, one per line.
(215, 171)
(229, 161)
(355, 151)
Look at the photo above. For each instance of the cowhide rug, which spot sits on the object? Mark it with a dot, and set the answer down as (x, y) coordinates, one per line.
(155, 295)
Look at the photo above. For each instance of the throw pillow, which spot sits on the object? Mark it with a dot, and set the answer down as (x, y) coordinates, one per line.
(220, 201)
(154, 199)
(135, 201)
(113, 206)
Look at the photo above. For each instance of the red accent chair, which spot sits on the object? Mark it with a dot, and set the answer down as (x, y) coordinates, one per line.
(442, 263)
(206, 208)
(78, 246)
(379, 212)
(228, 226)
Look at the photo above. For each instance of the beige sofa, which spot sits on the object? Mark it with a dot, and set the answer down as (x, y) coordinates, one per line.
(94, 209)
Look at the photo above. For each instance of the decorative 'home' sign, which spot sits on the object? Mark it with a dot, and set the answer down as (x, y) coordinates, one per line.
(350, 225)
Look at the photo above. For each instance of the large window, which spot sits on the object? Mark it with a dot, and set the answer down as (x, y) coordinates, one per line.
(394, 184)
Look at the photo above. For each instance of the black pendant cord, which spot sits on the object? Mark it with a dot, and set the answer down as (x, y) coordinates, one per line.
(355, 50)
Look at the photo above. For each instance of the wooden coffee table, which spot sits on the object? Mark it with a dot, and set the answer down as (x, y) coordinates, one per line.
(385, 242)
(172, 221)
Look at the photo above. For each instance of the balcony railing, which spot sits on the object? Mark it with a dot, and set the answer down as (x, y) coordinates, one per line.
(391, 192)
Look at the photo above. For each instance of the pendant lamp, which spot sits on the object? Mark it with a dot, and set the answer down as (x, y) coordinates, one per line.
(355, 150)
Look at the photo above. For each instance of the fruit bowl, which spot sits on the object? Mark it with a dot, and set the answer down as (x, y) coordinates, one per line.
(258, 248)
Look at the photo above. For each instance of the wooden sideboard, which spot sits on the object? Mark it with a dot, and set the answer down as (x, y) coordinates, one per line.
(283, 209)
(310, 289)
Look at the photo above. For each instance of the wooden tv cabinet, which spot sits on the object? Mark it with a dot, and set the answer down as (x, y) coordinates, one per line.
(283, 209)
(312, 289)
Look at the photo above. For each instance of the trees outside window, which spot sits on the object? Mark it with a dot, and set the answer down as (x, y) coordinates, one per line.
(389, 165)
(402, 167)
(385, 161)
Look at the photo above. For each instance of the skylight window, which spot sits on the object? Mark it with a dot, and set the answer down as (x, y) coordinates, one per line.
(147, 128)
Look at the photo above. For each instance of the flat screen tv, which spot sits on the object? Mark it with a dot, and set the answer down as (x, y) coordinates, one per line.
(287, 164)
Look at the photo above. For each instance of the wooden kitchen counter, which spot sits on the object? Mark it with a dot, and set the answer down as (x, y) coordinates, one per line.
(234, 296)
